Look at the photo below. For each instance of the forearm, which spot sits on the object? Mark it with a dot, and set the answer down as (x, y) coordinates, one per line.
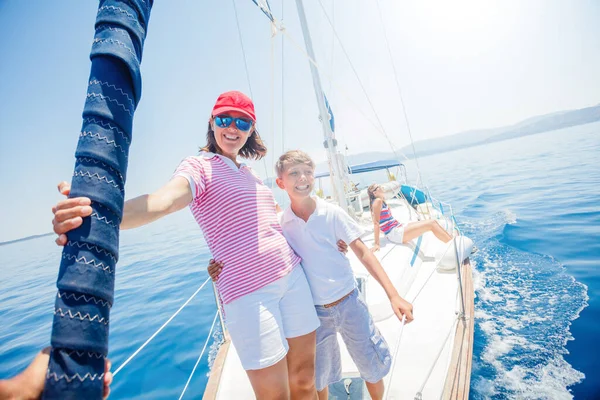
(147, 208)
(17, 388)
(142, 210)
(368, 259)
(376, 270)
(376, 232)
(7, 389)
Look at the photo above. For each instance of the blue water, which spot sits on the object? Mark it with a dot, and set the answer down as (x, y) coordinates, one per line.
(529, 203)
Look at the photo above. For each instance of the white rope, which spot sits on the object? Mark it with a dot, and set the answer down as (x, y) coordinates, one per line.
(430, 275)
(237, 21)
(273, 34)
(419, 393)
(412, 143)
(200, 356)
(395, 358)
(340, 90)
(459, 292)
(161, 328)
(282, 85)
(359, 80)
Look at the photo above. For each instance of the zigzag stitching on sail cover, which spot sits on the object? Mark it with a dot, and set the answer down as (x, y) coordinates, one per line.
(87, 299)
(87, 376)
(118, 9)
(83, 353)
(103, 219)
(78, 315)
(103, 97)
(91, 247)
(93, 263)
(96, 175)
(106, 27)
(97, 135)
(108, 124)
(115, 41)
(97, 82)
(105, 165)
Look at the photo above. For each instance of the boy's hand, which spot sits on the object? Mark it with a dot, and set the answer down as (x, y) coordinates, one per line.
(375, 248)
(69, 213)
(214, 269)
(342, 246)
(401, 308)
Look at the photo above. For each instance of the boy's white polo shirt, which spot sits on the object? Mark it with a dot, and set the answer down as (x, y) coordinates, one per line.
(327, 269)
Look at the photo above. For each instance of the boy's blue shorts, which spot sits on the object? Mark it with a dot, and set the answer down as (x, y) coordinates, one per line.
(366, 346)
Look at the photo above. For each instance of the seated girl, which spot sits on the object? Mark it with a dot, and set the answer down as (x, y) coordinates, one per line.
(395, 231)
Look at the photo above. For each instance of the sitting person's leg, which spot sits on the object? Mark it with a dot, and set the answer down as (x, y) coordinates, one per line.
(413, 230)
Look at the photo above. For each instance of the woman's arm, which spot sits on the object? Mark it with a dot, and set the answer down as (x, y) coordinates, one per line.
(376, 216)
(142, 210)
(69, 213)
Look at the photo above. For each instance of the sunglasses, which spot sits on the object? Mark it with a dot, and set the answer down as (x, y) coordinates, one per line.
(243, 124)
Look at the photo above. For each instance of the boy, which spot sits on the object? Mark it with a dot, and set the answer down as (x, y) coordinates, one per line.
(312, 227)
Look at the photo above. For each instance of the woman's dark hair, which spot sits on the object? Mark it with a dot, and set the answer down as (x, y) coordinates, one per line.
(372, 188)
(253, 149)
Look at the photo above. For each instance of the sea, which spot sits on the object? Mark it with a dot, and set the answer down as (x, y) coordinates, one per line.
(530, 204)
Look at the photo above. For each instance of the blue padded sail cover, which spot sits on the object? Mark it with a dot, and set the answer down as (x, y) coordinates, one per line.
(87, 270)
(413, 195)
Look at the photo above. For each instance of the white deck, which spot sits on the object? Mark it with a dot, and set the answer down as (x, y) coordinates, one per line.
(435, 312)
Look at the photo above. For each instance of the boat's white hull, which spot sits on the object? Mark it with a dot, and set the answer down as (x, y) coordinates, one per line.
(426, 355)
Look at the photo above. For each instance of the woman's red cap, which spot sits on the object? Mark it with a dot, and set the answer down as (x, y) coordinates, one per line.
(234, 101)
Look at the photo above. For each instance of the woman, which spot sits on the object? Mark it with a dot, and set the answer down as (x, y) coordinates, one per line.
(266, 298)
(393, 230)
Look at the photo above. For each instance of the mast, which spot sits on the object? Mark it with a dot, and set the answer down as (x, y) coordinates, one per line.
(330, 143)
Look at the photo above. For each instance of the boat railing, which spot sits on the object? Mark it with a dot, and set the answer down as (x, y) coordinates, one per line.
(447, 213)
(218, 314)
(460, 317)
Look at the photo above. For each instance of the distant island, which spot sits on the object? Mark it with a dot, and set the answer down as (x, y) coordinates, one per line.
(26, 238)
(530, 126)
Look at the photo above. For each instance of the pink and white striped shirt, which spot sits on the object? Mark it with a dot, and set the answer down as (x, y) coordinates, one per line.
(237, 215)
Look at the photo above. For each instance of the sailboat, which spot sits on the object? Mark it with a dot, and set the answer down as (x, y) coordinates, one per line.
(433, 355)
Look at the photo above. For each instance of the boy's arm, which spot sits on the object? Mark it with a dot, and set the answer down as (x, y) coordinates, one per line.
(376, 216)
(399, 305)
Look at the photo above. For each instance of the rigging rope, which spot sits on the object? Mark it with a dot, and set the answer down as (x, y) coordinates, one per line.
(282, 84)
(359, 80)
(419, 394)
(160, 329)
(395, 358)
(273, 34)
(200, 356)
(339, 89)
(267, 12)
(412, 143)
(280, 27)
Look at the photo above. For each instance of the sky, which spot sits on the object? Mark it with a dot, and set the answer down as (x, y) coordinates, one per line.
(461, 65)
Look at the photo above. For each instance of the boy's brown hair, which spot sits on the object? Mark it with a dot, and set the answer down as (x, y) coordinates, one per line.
(292, 157)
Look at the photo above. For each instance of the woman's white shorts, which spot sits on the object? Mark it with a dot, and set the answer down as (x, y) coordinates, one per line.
(396, 235)
(260, 322)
